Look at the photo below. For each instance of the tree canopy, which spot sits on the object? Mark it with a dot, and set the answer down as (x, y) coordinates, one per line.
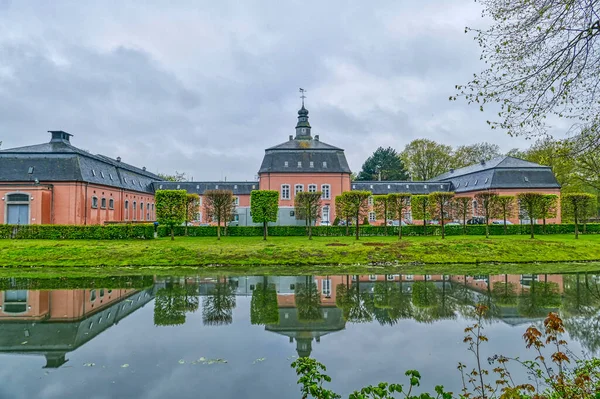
(308, 207)
(170, 208)
(264, 206)
(384, 163)
(426, 159)
(541, 63)
(220, 206)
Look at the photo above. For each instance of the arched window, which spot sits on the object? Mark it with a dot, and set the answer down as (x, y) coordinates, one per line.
(94, 202)
(111, 204)
(285, 191)
(134, 210)
(141, 210)
(126, 210)
(103, 203)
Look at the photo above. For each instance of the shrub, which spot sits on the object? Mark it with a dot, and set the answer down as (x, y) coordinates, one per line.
(77, 232)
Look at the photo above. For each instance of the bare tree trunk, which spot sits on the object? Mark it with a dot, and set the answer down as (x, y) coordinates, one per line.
(218, 228)
(531, 222)
(442, 220)
(544, 223)
(576, 223)
(172, 233)
(264, 231)
(504, 215)
(385, 211)
(487, 225)
(400, 224)
(309, 227)
(347, 226)
(357, 223)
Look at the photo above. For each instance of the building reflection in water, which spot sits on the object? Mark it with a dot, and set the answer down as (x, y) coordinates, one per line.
(52, 323)
(55, 322)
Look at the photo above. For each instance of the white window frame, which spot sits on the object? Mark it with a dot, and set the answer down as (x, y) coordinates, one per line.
(299, 164)
(236, 201)
(370, 200)
(285, 195)
(326, 194)
(372, 277)
(311, 164)
(372, 216)
(300, 187)
(409, 276)
(325, 214)
(312, 188)
(326, 287)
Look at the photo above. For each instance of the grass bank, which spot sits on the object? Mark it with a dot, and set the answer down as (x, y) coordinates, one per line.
(344, 252)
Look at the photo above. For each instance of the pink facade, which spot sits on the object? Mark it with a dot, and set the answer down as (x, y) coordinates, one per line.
(78, 203)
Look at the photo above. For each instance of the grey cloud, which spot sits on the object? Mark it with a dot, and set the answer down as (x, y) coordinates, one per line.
(204, 88)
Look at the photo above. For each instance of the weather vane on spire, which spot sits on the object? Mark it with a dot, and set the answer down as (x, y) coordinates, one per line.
(302, 96)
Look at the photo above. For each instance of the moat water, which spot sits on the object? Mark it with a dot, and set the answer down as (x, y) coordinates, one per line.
(235, 337)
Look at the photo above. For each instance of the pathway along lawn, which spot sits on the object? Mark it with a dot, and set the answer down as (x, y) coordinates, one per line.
(299, 251)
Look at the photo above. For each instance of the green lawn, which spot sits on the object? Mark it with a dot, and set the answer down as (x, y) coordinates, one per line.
(241, 252)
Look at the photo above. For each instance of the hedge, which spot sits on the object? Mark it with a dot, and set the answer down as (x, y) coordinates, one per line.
(63, 283)
(71, 232)
(370, 231)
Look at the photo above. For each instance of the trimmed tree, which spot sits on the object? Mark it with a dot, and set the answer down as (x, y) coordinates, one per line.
(548, 208)
(381, 206)
(192, 207)
(264, 205)
(357, 204)
(463, 206)
(170, 208)
(398, 203)
(308, 207)
(488, 202)
(219, 205)
(420, 209)
(440, 205)
(576, 206)
(343, 212)
(506, 207)
(530, 203)
(263, 306)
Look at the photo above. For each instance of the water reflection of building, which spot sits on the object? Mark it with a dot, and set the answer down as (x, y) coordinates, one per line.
(53, 323)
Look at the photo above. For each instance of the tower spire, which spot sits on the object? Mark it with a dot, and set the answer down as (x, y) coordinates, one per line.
(303, 127)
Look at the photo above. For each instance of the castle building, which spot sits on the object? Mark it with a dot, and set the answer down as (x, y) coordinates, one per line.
(57, 183)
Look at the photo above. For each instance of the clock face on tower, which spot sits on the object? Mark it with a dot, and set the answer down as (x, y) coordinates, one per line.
(303, 130)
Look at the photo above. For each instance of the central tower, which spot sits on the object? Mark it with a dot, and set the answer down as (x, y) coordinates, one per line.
(304, 163)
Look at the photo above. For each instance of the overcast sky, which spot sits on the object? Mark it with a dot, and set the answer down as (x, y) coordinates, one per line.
(203, 87)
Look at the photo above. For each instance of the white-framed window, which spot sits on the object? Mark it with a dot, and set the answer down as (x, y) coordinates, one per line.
(94, 202)
(236, 201)
(298, 188)
(103, 203)
(312, 188)
(326, 287)
(324, 164)
(372, 277)
(370, 200)
(285, 191)
(111, 204)
(389, 277)
(126, 210)
(428, 277)
(285, 164)
(142, 210)
(299, 164)
(326, 190)
(311, 164)
(325, 214)
(372, 217)
(409, 277)
(134, 210)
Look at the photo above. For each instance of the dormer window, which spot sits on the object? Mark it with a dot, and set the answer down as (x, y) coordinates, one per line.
(110, 176)
(285, 164)
(216, 186)
(311, 164)
(299, 164)
(235, 186)
(475, 182)
(160, 186)
(325, 164)
(125, 179)
(93, 172)
(526, 179)
(30, 170)
(197, 187)
(102, 174)
(486, 179)
(389, 186)
(178, 186)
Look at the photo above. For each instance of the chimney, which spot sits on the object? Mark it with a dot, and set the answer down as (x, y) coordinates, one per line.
(58, 136)
(483, 161)
(316, 137)
(118, 159)
(451, 170)
(144, 168)
(291, 137)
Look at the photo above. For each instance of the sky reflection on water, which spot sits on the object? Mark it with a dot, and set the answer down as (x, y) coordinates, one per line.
(232, 337)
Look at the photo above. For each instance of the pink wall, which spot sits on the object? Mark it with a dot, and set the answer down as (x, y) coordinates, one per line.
(338, 182)
(71, 203)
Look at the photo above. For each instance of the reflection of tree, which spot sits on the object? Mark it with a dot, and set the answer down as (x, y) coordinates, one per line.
(445, 307)
(580, 309)
(192, 299)
(352, 302)
(308, 301)
(424, 294)
(388, 305)
(218, 305)
(170, 305)
(263, 307)
(504, 293)
(540, 297)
